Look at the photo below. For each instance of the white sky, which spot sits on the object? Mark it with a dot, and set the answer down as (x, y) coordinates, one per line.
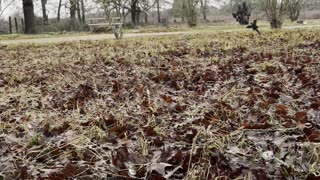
(52, 6)
(16, 8)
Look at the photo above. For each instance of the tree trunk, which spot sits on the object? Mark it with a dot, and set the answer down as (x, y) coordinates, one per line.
(294, 9)
(29, 16)
(138, 12)
(158, 11)
(44, 12)
(134, 11)
(204, 14)
(78, 11)
(276, 24)
(83, 12)
(146, 17)
(293, 17)
(184, 11)
(294, 14)
(59, 10)
(192, 19)
(73, 9)
(191, 13)
(204, 9)
(275, 11)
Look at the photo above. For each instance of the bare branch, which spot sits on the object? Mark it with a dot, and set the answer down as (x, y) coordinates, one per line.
(4, 7)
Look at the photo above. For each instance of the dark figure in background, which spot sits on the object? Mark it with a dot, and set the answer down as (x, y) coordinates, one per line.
(242, 15)
(254, 26)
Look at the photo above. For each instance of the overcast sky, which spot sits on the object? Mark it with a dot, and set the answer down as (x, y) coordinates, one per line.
(52, 5)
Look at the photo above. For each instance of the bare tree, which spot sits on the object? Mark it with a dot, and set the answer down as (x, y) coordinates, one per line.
(83, 12)
(311, 4)
(204, 7)
(44, 12)
(73, 9)
(5, 4)
(119, 8)
(191, 12)
(275, 11)
(294, 8)
(135, 12)
(107, 6)
(158, 11)
(59, 10)
(28, 16)
(184, 7)
(146, 5)
(78, 11)
(177, 8)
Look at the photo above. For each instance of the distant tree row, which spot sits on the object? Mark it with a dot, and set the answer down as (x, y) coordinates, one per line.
(276, 10)
(188, 10)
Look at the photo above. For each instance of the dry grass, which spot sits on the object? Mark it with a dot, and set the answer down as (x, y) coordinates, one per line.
(212, 27)
(202, 106)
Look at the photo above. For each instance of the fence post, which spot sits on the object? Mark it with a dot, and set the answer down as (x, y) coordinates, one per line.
(16, 23)
(10, 27)
(22, 25)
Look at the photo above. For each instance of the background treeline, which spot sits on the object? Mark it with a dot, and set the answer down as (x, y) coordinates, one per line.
(75, 15)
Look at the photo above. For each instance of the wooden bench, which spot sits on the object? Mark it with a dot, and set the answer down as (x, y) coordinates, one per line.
(115, 25)
(92, 26)
(98, 22)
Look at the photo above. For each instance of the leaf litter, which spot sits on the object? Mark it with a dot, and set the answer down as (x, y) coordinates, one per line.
(227, 106)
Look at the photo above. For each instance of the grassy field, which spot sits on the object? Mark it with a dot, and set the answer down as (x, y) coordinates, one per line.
(201, 106)
(156, 29)
(37, 36)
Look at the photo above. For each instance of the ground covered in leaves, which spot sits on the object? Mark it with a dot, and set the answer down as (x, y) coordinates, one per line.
(202, 106)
